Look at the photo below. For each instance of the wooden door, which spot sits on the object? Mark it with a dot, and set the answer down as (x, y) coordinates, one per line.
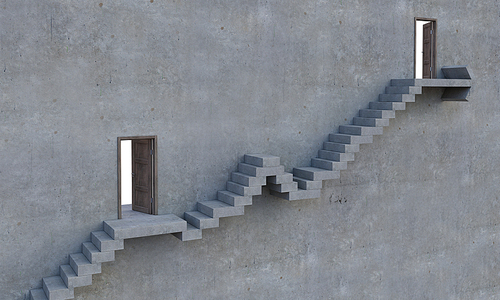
(427, 51)
(142, 175)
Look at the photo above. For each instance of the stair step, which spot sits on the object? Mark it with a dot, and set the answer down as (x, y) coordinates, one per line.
(260, 171)
(404, 89)
(373, 113)
(396, 98)
(72, 280)
(243, 190)
(374, 122)
(104, 242)
(262, 160)
(360, 130)
(284, 187)
(200, 220)
(191, 233)
(388, 105)
(350, 139)
(312, 173)
(305, 184)
(339, 147)
(55, 288)
(95, 256)
(247, 180)
(280, 179)
(402, 82)
(37, 294)
(144, 225)
(330, 165)
(219, 209)
(336, 156)
(298, 195)
(82, 266)
(234, 199)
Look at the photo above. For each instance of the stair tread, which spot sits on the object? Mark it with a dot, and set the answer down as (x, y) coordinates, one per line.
(262, 160)
(200, 220)
(219, 209)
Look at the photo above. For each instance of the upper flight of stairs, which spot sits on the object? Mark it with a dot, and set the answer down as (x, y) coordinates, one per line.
(256, 171)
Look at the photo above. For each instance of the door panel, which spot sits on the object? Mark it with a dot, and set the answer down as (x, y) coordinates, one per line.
(427, 51)
(142, 167)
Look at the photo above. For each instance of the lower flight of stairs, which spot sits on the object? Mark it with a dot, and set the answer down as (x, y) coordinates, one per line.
(256, 171)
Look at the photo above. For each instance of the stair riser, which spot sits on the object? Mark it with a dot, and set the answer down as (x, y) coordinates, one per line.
(233, 199)
(247, 180)
(258, 171)
(283, 188)
(388, 105)
(403, 90)
(299, 195)
(402, 82)
(396, 98)
(105, 243)
(335, 156)
(69, 277)
(59, 291)
(357, 130)
(344, 148)
(350, 139)
(82, 269)
(262, 160)
(221, 212)
(328, 165)
(370, 122)
(380, 114)
(243, 190)
(191, 235)
(37, 294)
(280, 179)
(201, 223)
(315, 176)
(96, 256)
(308, 184)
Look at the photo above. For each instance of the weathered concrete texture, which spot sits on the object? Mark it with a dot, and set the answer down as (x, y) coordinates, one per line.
(415, 216)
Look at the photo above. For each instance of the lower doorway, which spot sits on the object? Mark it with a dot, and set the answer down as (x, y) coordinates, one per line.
(137, 175)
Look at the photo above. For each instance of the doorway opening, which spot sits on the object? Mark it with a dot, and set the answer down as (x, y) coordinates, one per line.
(137, 175)
(425, 48)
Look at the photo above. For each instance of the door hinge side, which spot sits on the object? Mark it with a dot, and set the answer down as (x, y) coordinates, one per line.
(150, 152)
(151, 200)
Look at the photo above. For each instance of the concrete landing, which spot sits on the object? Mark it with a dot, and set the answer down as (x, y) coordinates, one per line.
(135, 224)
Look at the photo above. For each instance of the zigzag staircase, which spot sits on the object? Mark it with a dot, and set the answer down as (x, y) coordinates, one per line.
(256, 171)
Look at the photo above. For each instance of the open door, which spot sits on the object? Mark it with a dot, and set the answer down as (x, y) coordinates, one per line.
(142, 176)
(137, 175)
(425, 48)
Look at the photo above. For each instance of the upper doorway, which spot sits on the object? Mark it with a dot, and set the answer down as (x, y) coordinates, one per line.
(425, 48)
(137, 175)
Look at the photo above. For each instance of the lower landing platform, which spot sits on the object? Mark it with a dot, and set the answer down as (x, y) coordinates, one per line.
(136, 224)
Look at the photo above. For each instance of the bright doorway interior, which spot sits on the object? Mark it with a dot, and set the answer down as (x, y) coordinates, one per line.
(126, 172)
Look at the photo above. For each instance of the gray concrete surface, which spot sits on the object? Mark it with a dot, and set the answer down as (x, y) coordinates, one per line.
(414, 217)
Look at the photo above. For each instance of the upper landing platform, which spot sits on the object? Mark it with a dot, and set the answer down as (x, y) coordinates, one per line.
(457, 83)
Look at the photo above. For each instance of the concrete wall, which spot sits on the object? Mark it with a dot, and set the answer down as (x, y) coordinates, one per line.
(415, 216)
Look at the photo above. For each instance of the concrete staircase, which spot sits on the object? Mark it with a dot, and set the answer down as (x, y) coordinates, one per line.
(256, 171)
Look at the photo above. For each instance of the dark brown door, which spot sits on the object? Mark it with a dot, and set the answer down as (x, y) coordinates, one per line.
(427, 51)
(142, 175)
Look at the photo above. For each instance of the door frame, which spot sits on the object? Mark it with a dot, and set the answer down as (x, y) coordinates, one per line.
(154, 180)
(433, 46)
